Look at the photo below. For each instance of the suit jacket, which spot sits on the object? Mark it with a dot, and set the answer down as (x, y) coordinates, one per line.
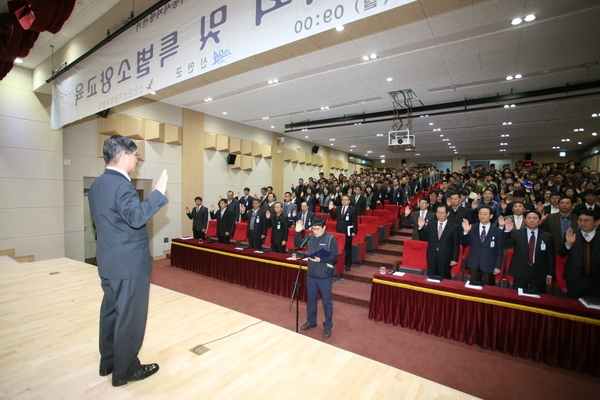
(397, 196)
(225, 222)
(345, 221)
(552, 225)
(461, 213)
(360, 206)
(487, 255)
(199, 218)
(574, 263)
(311, 202)
(260, 223)
(120, 217)
(440, 252)
(279, 225)
(512, 218)
(288, 211)
(528, 207)
(413, 220)
(309, 217)
(246, 201)
(580, 207)
(234, 207)
(544, 254)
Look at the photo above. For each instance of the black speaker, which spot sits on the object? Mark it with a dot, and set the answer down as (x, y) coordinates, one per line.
(103, 113)
(527, 156)
(315, 149)
(403, 161)
(231, 159)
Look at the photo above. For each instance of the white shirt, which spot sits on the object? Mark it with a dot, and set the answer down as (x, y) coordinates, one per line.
(125, 174)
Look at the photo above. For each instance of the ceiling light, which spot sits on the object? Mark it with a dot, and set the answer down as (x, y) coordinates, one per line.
(365, 58)
(380, 134)
(431, 123)
(306, 137)
(271, 81)
(445, 140)
(503, 144)
(265, 117)
(332, 139)
(510, 78)
(507, 123)
(18, 61)
(224, 112)
(339, 28)
(272, 126)
(516, 21)
(579, 142)
(382, 156)
(304, 129)
(152, 92)
(417, 154)
(452, 147)
(555, 147)
(509, 106)
(373, 56)
(369, 151)
(208, 99)
(325, 108)
(358, 123)
(529, 18)
(350, 149)
(449, 144)
(437, 129)
(389, 79)
(594, 115)
(353, 145)
(578, 130)
(518, 76)
(442, 135)
(594, 134)
(502, 149)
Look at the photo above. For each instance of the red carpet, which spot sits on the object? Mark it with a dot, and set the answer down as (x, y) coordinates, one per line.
(483, 373)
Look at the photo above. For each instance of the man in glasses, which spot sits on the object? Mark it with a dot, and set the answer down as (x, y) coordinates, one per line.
(319, 273)
(123, 259)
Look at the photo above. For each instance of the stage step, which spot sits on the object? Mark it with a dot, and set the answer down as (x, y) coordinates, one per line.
(352, 292)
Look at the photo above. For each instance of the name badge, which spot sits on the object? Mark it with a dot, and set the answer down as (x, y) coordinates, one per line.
(543, 246)
(278, 225)
(492, 244)
(289, 215)
(347, 218)
(257, 220)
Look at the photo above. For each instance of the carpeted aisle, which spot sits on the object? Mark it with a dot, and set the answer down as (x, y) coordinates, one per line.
(483, 373)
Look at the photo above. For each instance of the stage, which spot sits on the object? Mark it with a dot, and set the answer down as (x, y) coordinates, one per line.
(49, 348)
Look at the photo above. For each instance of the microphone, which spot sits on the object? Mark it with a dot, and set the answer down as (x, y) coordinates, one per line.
(306, 239)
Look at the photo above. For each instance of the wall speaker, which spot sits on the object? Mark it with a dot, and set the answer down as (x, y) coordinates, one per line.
(315, 149)
(231, 159)
(527, 156)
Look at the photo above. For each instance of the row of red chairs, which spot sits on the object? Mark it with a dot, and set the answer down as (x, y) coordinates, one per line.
(414, 260)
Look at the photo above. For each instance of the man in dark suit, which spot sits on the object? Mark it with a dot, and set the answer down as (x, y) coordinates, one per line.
(257, 225)
(411, 220)
(233, 205)
(123, 258)
(279, 228)
(518, 218)
(518, 197)
(532, 264)
(558, 223)
(486, 244)
(225, 221)
(289, 209)
(358, 201)
(433, 202)
(397, 193)
(443, 243)
(305, 215)
(298, 190)
(199, 217)
(457, 212)
(589, 196)
(582, 246)
(246, 199)
(347, 224)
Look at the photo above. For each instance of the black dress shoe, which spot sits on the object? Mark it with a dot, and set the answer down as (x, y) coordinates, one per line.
(307, 326)
(144, 372)
(347, 268)
(104, 372)
(327, 333)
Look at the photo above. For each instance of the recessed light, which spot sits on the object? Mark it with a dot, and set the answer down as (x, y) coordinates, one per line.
(369, 151)
(516, 21)
(365, 58)
(594, 134)
(382, 156)
(380, 134)
(306, 137)
(445, 140)
(153, 92)
(507, 123)
(358, 123)
(510, 78)
(265, 117)
(325, 108)
(304, 129)
(350, 149)
(373, 56)
(518, 76)
(18, 60)
(437, 129)
(555, 147)
(353, 145)
(442, 135)
(594, 115)
(509, 106)
(332, 139)
(529, 18)
(224, 112)
(431, 123)
(208, 99)
(339, 28)
(503, 144)
(579, 142)
(272, 126)
(578, 130)
(417, 154)
(452, 147)
(271, 81)
(389, 79)
(505, 135)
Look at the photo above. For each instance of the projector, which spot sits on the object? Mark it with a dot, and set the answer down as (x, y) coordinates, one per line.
(401, 141)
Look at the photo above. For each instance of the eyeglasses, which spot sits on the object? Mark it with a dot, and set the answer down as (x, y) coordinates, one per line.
(137, 156)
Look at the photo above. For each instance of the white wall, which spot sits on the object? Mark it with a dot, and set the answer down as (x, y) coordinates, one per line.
(31, 171)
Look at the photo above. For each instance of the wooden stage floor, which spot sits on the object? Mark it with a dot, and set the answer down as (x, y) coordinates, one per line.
(49, 348)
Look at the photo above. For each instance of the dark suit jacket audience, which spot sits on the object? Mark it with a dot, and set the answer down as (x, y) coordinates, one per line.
(484, 256)
(530, 276)
(257, 227)
(579, 281)
(440, 252)
(225, 224)
(199, 219)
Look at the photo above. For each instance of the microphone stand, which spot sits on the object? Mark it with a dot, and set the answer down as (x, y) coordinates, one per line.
(296, 291)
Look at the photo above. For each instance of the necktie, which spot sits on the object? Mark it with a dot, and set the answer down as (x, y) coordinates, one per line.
(304, 219)
(197, 209)
(343, 211)
(531, 248)
(423, 215)
(518, 222)
(440, 230)
(591, 208)
(482, 237)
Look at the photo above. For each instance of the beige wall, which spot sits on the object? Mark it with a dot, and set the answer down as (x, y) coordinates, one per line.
(31, 171)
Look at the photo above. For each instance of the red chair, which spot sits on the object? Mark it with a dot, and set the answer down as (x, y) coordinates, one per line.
(240, 232)
(359, 245)
(211, 231)
(341, 241)
(459, 271)
(560, 284)
(384, 224)
(414, 257)
(267, 241)
(506, 277)
(394, 216)
(324, 215)
(330, 225)
(372, 232)
(290, 246)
